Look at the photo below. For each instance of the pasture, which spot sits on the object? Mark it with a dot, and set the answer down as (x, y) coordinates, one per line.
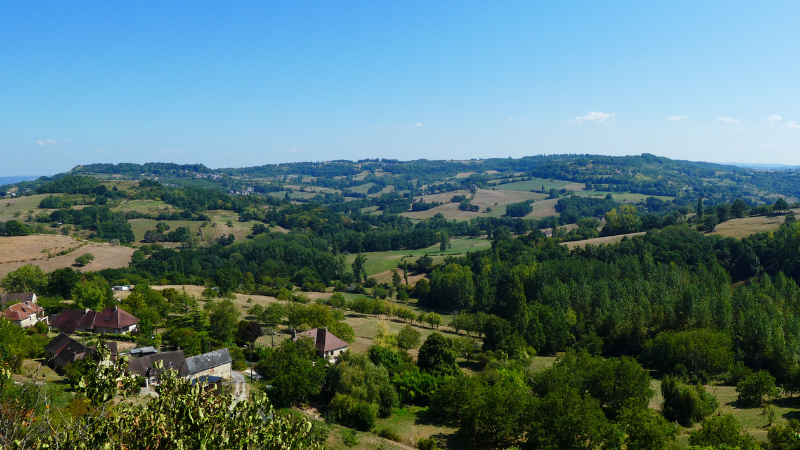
(42, 250)
(744, 227)
(378, 262)
(22, 205)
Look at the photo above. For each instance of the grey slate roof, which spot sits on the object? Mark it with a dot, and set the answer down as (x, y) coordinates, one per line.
(22, 297)
(171, 360)
(199, 363)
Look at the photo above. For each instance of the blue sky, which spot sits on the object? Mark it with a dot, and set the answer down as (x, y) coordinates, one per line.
(232, 84)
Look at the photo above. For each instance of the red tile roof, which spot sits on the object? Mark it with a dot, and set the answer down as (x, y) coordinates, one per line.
(113, 317)
(324, 340)
(21, 311)
(70, 320)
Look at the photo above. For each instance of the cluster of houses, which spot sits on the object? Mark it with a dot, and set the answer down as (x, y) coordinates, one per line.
(211, 367)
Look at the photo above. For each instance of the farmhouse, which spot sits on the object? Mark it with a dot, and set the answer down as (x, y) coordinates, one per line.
(217, 363)
(327, 344)
(25, 314)
(62, 350)
(112, 320)
(145, 366)
(20, 298)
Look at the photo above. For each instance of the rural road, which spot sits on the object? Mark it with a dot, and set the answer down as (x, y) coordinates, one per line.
(239, 387)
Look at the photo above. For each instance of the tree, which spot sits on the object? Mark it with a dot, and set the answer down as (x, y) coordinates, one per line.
(93, 292)
(396, 280)
(647, 429)
(248, 332)
(408, 338)
(28, 278)
(781, 205)
(437, 356)
(564, 419)
(187, 340)
(106, 378)
(452, 287)
(84, 259)
(293, 370)
(359, 272)
(698, 350)
(223, 320)
(722, 430)
(739, 208)
(444, 241)
(699, 210)
(755, 387)
(685, 404)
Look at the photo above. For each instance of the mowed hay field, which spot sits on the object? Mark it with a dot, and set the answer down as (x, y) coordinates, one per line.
(378, 262)
(484, 198)
(741, 228)
(17, 251)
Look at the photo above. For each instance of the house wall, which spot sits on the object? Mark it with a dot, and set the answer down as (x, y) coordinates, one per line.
(334, 354)
(223, 371)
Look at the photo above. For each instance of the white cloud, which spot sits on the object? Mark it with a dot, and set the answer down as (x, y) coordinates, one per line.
(727, 119)
(50, 142)
(418, 125)
(510, 118)
(294, 150)
(103, 151)
(792, 124)
(594, 116)
(773, 119)
(677, 118)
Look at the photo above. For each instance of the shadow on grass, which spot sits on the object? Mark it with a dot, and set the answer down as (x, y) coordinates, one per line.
(427, 417)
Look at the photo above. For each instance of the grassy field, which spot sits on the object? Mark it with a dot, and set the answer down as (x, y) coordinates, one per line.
(608, 240)
(140, 226)
(537, 183)
(144, 206)
(740, 228)
(497, 200)
(378, 262)
(623, 197)
(22, 205)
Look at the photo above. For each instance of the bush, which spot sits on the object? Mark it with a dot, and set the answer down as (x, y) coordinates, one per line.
(755, 387)
(388, 433)
(684, 403)
(722, 431)
(427, 444)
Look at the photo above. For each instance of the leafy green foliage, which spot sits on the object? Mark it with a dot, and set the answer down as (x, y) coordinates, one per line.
(84, 259)
(438, 356)
(293, 370)
(720, 431)
(755, 388)
(359, 388)
(28, 278)
(698, 350)
(685, 404)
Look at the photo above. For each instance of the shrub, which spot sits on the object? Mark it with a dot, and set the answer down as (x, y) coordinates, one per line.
(755, 387)
(722, 431)
(684, 403)
(427, 444)
(388, 433)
